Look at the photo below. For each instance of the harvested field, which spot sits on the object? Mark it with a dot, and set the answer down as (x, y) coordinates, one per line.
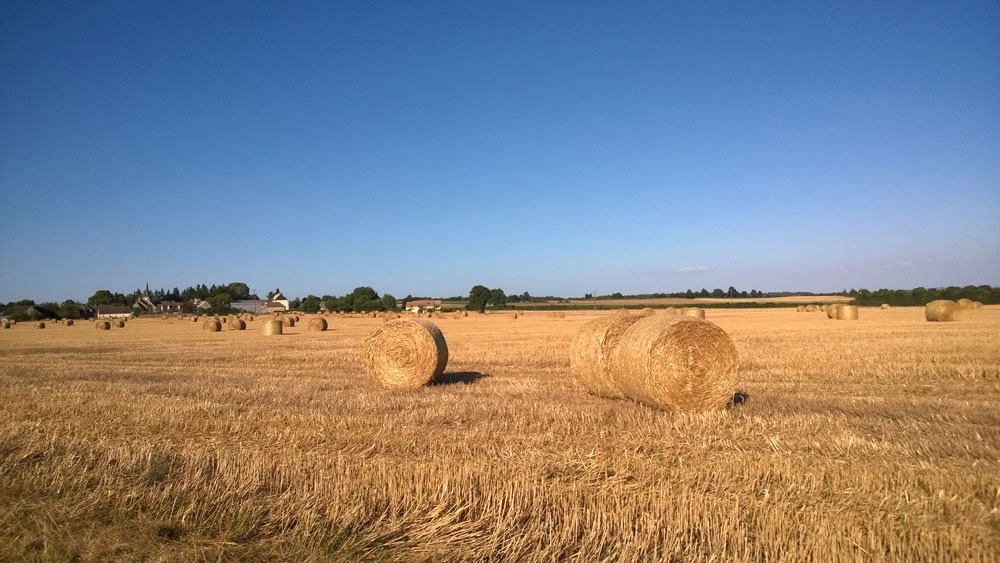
(873, 439)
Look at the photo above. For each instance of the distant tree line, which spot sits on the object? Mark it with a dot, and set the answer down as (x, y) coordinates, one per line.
(988, 295)
(361, 299)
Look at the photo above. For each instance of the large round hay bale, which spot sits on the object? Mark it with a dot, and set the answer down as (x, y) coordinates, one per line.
(942, 310)
(118, 323)
(317, 324)
(40, 324)
(69, 322)
(590, 354)
(670, 311)
(884, 306)
(102, 325)
(977, 305)
(237, 324)
(800, 308)
(965, 303)
(678, 364)
(287, 320)
(847, 312)
(694, 312)
(405, 353)
(211, 325)
(647, 312)
(831, 311)
(273, 327)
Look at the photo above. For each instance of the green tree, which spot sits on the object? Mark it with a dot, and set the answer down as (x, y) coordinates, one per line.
(388, 301)
(689, 294)
(479, 296)
(498, 298)
(310, 304)
(362, 297)
(100, 297)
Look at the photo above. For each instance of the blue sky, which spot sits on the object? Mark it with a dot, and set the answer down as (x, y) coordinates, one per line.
(555, 148)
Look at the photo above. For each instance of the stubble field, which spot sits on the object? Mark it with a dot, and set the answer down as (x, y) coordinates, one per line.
(875, 439)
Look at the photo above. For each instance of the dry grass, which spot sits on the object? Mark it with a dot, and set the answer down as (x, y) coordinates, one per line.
(156, 443)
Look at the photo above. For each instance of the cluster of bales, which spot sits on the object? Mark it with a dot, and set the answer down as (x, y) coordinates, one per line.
(836, 311)
(941, 310)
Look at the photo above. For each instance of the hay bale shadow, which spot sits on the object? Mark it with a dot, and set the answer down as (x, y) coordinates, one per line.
(739, 399)
(454, 377)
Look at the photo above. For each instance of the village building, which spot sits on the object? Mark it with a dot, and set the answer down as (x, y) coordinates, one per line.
(255, 306)
(423, 305)
(170, 306)
(113, 312)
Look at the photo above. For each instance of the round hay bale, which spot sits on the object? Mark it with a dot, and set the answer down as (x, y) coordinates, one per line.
(6, 324)
(677, 364)
(237, 324)
(249, 317)
(812, 308)
(942, 310)
(670, 311)
(622, 312)
(118, 324)
(823, 307)
(965, 303)
(40, 324)
(390, 315)
(69, 322)
(317, 324)
(102, 325)
(405, 353)
(297, 319)
(194, 319)
(211, 325)
(694, 312)
(831, 311)
(800, 308)
(513, 316)
(373, 314)
(977, 305)
(288, 320)
(13, 322)
(465, 313)
(557, 315)
(884, 306)
(847, 312)
(590, 354)
(273, 327)
(647, 312)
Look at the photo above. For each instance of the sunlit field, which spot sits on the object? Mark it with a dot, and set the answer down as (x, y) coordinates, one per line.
(875, 439)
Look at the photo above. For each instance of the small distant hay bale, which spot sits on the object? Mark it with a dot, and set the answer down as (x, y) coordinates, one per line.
(69, 322)
(373, 314)
(622, 312)
(297, 319)
(405, 353)
(40, 324)
(670, 311)
(694, 312)
(965, 303)
(317, 324)
(678, 364)
(647, 312)
(6, 324)
(513, 315)
(194, 319)
(391, 315)
(118, 324)
(211, 325)
(590, 354)
(847, 312)
(287, 320)
(13, 322)
(557, 315)
(465, 313)
(942, 310)
(800, 308)
(824, 307)
(977, 305)
(831, 311)
(102, 325)
(812, 308)
(273, 327)
(249, 317)
(884, 306)
(237, 324)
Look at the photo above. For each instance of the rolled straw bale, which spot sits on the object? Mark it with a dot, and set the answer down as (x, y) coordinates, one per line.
(677, 364)
(237, 324)
(391, 315)
(942, 310)
(13, 322)
(297, 319)
(694, 312)
(405, 353)
(273, 327)
(824, 307)
(622, 312)
(884, 306)
(647, 312)
(6, 324)
(977, 305)
(557, 315)
(373, 314)
(317, 324)
(831, 311)
(194, 319)
(40, 324)
(590, 354)
(118, 324)
(965, 303)
(249, 317)
(847, 312)
(102, 325)
(800, 308)
(211, 325)
(287, 320)
(812, 308)
(465, 313)
(513, 315)
(670, 311)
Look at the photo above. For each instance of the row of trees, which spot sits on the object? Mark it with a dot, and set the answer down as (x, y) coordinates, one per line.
(732, 292)
(986, 294)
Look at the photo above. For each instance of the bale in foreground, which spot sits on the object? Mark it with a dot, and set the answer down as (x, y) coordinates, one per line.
(677, 364)
(273, 327)
(831, 311)
(942, 310)
(590, 354)
(405, 353)
(847, 312)
(237, 324)
(211, 325)
(317, 324)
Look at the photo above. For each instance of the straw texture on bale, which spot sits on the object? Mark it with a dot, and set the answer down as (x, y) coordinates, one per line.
(39, 324)
(273, 327)
(6, 324)
(812, 308)
(557, 315)
(977, 305)
(695, 312)
(885, 306)
(800, 308)
(118, 324)
(288, 320)
(647, 312)
(69, 322)
(237, 324)
(670, 311)
(942, 310)
(211, 325)
(317, 324)
(405, 353)
(590, 354)
(678, 364)
(965, 303)
(831, 311)
(847, 312)
(102, 325)
(824, 307)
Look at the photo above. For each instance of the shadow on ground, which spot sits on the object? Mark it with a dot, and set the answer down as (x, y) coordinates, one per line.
(459, 377)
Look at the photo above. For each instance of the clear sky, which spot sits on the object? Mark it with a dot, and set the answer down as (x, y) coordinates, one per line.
(551, 147)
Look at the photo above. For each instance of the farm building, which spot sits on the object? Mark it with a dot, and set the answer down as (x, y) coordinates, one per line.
(170, 306)
(418, 305)
(255, 306)
(114, 312)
